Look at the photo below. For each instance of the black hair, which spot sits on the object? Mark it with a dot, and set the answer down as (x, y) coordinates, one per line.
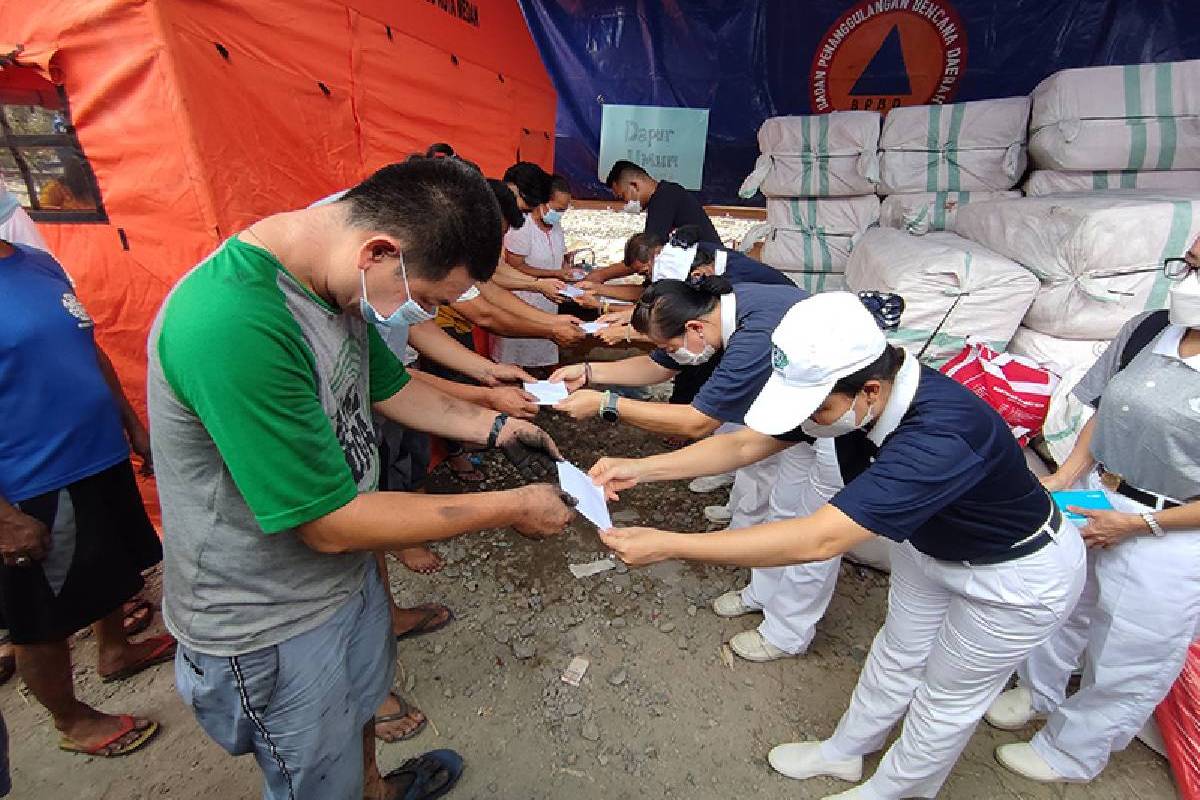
(665, 307)
(883, 368)
(623, 170)
(558, 184)
(439, 150)
(531, 181)
(509, 210)
(441, 209)
(641, 246)
(75, 177)
(686, 235)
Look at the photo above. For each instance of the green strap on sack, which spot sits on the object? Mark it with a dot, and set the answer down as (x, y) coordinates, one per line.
(1164, 107)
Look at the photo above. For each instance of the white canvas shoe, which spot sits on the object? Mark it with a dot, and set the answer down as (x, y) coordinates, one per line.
(849, 794)
(1012, 710)
(803, 760)
(717, 513)
(1022, 759)
(710, 483)
(730, 605)
(751, 646)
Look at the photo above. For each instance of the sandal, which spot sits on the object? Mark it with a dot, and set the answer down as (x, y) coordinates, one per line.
(405, 712)
(426, 777)
(163, 651)
(426, 623)
(128, 726)
(139, 613)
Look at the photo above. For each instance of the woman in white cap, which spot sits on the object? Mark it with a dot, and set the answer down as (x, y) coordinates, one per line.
(985, 569)
(1141, 607)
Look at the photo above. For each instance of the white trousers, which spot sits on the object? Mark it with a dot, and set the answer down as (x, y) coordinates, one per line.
(952, 637)
(1130, 632)
(793, 599)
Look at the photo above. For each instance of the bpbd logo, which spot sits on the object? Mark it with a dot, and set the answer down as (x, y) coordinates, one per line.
(887, 53)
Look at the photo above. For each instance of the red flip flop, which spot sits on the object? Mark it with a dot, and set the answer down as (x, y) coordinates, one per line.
(128, 726)
(164, 650)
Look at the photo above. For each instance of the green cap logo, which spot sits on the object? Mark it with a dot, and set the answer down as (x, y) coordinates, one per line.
(779, 359)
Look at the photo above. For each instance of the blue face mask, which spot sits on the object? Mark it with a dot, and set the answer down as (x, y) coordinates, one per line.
(409, 312)
(552, 217)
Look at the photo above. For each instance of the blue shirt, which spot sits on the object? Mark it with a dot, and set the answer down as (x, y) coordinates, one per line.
(741, 268)
(746, 355)
(941, 470)
(60, 422)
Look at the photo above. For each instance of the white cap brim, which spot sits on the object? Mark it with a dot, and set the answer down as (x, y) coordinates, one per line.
(780, 407)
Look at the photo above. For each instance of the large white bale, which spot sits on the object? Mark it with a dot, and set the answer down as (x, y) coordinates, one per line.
(1066, 417)
(977, 146)
(1062, 236)
(1138, 116)
(1093, 307)
(1055, 354)
(815, 234)
(826, 155)
(921, 212)
(1049, 181)
(931, 272)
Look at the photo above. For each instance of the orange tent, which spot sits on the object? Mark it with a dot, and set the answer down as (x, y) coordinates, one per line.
(196, 119)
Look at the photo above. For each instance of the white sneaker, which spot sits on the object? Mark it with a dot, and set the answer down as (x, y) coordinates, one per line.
(730, 605)
(717, 513)
(1022, 759)
(849, 794)
(1012, 710)
(803, 760)
(751, 646)
(710, 483)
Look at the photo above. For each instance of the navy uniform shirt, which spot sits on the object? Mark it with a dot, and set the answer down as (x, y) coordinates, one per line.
(941, 470)
(741, 268)
(746, 354)
(672, 206)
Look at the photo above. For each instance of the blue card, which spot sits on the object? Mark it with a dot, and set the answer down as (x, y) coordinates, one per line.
(1092, 500)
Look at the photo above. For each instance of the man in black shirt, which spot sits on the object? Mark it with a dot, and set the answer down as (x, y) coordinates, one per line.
(668, 205)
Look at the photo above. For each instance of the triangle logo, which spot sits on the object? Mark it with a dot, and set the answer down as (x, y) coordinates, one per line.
(886, 74)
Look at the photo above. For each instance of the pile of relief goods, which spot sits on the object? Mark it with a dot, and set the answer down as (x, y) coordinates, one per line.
(819, 175)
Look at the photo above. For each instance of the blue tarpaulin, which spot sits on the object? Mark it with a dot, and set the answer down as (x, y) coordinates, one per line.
(747, 60)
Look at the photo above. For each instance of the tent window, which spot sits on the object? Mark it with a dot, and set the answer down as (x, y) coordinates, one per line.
(40, 158)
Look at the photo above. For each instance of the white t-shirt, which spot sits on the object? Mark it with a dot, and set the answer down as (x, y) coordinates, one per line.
(542, 249)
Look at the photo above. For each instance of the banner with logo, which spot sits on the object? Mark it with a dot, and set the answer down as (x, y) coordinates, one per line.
(747, 60)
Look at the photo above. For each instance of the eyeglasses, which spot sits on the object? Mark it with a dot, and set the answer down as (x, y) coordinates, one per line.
(1178, 268)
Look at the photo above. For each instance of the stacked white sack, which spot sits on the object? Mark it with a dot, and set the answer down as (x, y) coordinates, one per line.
(1136, 117)
(1099, 256)
(1070, 359)
(827, 155)
(978, 146)
(811, 238)
(922, 212)
(1048, 181)
(931, 272)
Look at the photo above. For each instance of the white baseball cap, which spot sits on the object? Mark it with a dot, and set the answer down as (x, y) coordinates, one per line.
(818, 342)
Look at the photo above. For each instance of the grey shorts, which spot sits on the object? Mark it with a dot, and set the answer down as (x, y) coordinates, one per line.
(301, 705)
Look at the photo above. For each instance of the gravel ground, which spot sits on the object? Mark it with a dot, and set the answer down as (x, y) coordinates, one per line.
(659, 714)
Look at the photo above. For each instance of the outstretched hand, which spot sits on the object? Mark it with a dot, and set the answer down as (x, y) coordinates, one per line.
(614, 475)
(638, 547)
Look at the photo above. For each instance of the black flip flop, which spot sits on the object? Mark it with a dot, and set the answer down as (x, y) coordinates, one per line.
(432, 612)
(406, 708)
(433, 775)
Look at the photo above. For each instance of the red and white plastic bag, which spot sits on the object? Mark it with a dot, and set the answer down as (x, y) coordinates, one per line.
(1013, 385)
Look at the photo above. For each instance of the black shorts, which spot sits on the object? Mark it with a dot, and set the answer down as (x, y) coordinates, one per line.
(101, 541)
(404, 456)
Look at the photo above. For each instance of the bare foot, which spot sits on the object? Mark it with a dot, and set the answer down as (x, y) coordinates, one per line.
(95, 727)
(405, 620)
(409, 721)
(420, 559)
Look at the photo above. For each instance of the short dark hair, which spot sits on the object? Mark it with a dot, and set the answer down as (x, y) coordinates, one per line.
(559, 185)
(439, 150)
(441, 209)
(509, 210)
(665, 307)
(531, 181)
(622, 170)
(883, 368)
(640, 246)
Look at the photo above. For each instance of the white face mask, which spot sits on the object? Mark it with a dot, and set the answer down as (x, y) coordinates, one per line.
(687, 358)
(633, 207)
(846, 423)
(1185, 301)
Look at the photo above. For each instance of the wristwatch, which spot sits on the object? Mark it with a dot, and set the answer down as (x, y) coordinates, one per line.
(608, 407)
(1155, 527)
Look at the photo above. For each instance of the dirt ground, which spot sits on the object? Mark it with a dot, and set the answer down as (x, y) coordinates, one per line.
(659, 713)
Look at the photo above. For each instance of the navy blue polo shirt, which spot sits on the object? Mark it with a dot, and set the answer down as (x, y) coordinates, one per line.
(746, 360)
(950, 478)
(741, 268)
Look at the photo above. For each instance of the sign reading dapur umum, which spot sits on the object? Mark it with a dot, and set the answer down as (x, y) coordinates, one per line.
(668, 143)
